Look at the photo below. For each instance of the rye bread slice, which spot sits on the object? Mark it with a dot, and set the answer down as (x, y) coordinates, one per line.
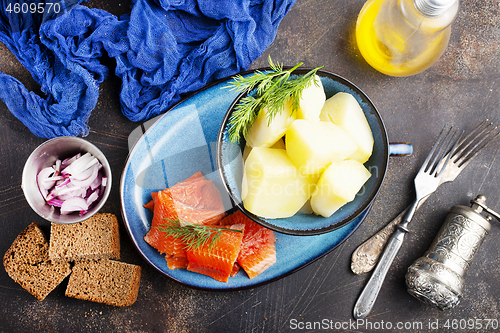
(27, 263)
(95, 238)
(105, 281)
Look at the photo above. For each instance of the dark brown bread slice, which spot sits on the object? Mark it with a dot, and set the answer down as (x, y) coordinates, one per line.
(95, 238)
(27, 262)
(105, 281)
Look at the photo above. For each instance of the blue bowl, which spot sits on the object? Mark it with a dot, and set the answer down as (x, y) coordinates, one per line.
(230, 166)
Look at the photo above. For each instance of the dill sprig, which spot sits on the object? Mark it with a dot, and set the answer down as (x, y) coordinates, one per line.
(193, 235)
(272, 90)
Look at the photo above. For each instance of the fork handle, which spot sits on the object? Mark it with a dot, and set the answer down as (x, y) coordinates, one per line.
(409, 214)
(369, 294)
(366, 256)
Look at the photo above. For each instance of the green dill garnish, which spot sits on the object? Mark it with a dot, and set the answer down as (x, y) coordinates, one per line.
(193, 235)
(272, 89)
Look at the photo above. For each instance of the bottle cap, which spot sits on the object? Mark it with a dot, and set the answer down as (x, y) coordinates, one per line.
(433, 8)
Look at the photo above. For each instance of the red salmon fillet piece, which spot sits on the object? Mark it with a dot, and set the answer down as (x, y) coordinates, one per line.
(197, 201)
(236, 269)
(258, 250)
(192, 215)
(177, 262)
(164, 210)
(194, 200)
(217, 262)
(200, 194)
(151, 204)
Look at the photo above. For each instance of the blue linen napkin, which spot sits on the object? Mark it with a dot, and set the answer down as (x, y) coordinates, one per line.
(163, 49)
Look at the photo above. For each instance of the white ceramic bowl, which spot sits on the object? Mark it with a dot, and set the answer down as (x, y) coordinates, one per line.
(45, 155)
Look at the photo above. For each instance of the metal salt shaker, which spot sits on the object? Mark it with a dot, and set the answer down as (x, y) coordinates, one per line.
(438, 277)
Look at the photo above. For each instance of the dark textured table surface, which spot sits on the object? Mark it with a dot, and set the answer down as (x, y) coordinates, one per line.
(461, 89)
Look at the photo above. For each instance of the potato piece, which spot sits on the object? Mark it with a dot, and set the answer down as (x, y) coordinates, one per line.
(272, 186)
(313, 145)
(262, 134)
(343, 110)
(312, 100)
(337, 186)
(280, 144)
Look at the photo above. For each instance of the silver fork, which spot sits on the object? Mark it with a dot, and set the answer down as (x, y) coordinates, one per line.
(426, 182)
(365, 257)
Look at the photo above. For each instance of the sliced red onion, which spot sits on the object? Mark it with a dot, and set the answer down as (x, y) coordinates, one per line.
(43, 179)
(80, 165)
(65, 181)
(83, 175)
(57, 166)
(68, 161)
(58, 191)
(72, 184)
(86, 182)
(56, 178)
(55, 202)
(97, 182)
(74, 204)
(93, 197)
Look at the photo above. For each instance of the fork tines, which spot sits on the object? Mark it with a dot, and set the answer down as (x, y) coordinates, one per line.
(474, 142)
(441, 152)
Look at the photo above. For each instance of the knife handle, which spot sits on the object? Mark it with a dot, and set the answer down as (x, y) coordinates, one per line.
(365, 257)
(369, 294)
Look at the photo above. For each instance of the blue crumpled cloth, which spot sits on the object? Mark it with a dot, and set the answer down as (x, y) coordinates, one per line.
(163, 49)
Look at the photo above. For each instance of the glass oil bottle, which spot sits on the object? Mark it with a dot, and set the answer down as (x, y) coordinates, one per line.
(404, 37)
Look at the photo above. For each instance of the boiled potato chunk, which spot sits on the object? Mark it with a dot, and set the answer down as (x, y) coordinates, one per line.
(262, 134)
(272, 185)
(343, 110)
(280, 144)
(313, 145)
(338, 185)
(312, 100)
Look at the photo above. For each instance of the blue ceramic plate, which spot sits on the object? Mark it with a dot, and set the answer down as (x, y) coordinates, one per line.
(180, 143)
(230, 164)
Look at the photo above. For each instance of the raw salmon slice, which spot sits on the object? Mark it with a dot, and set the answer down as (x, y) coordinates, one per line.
(195, 177)
(197, 201)
(151, 205)
(258, 250)
(164, 211)
(218, 261)
(177, 262)
(236, 269)
(194, 200)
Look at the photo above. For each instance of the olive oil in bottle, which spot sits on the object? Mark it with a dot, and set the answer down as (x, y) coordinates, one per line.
(404, 37)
